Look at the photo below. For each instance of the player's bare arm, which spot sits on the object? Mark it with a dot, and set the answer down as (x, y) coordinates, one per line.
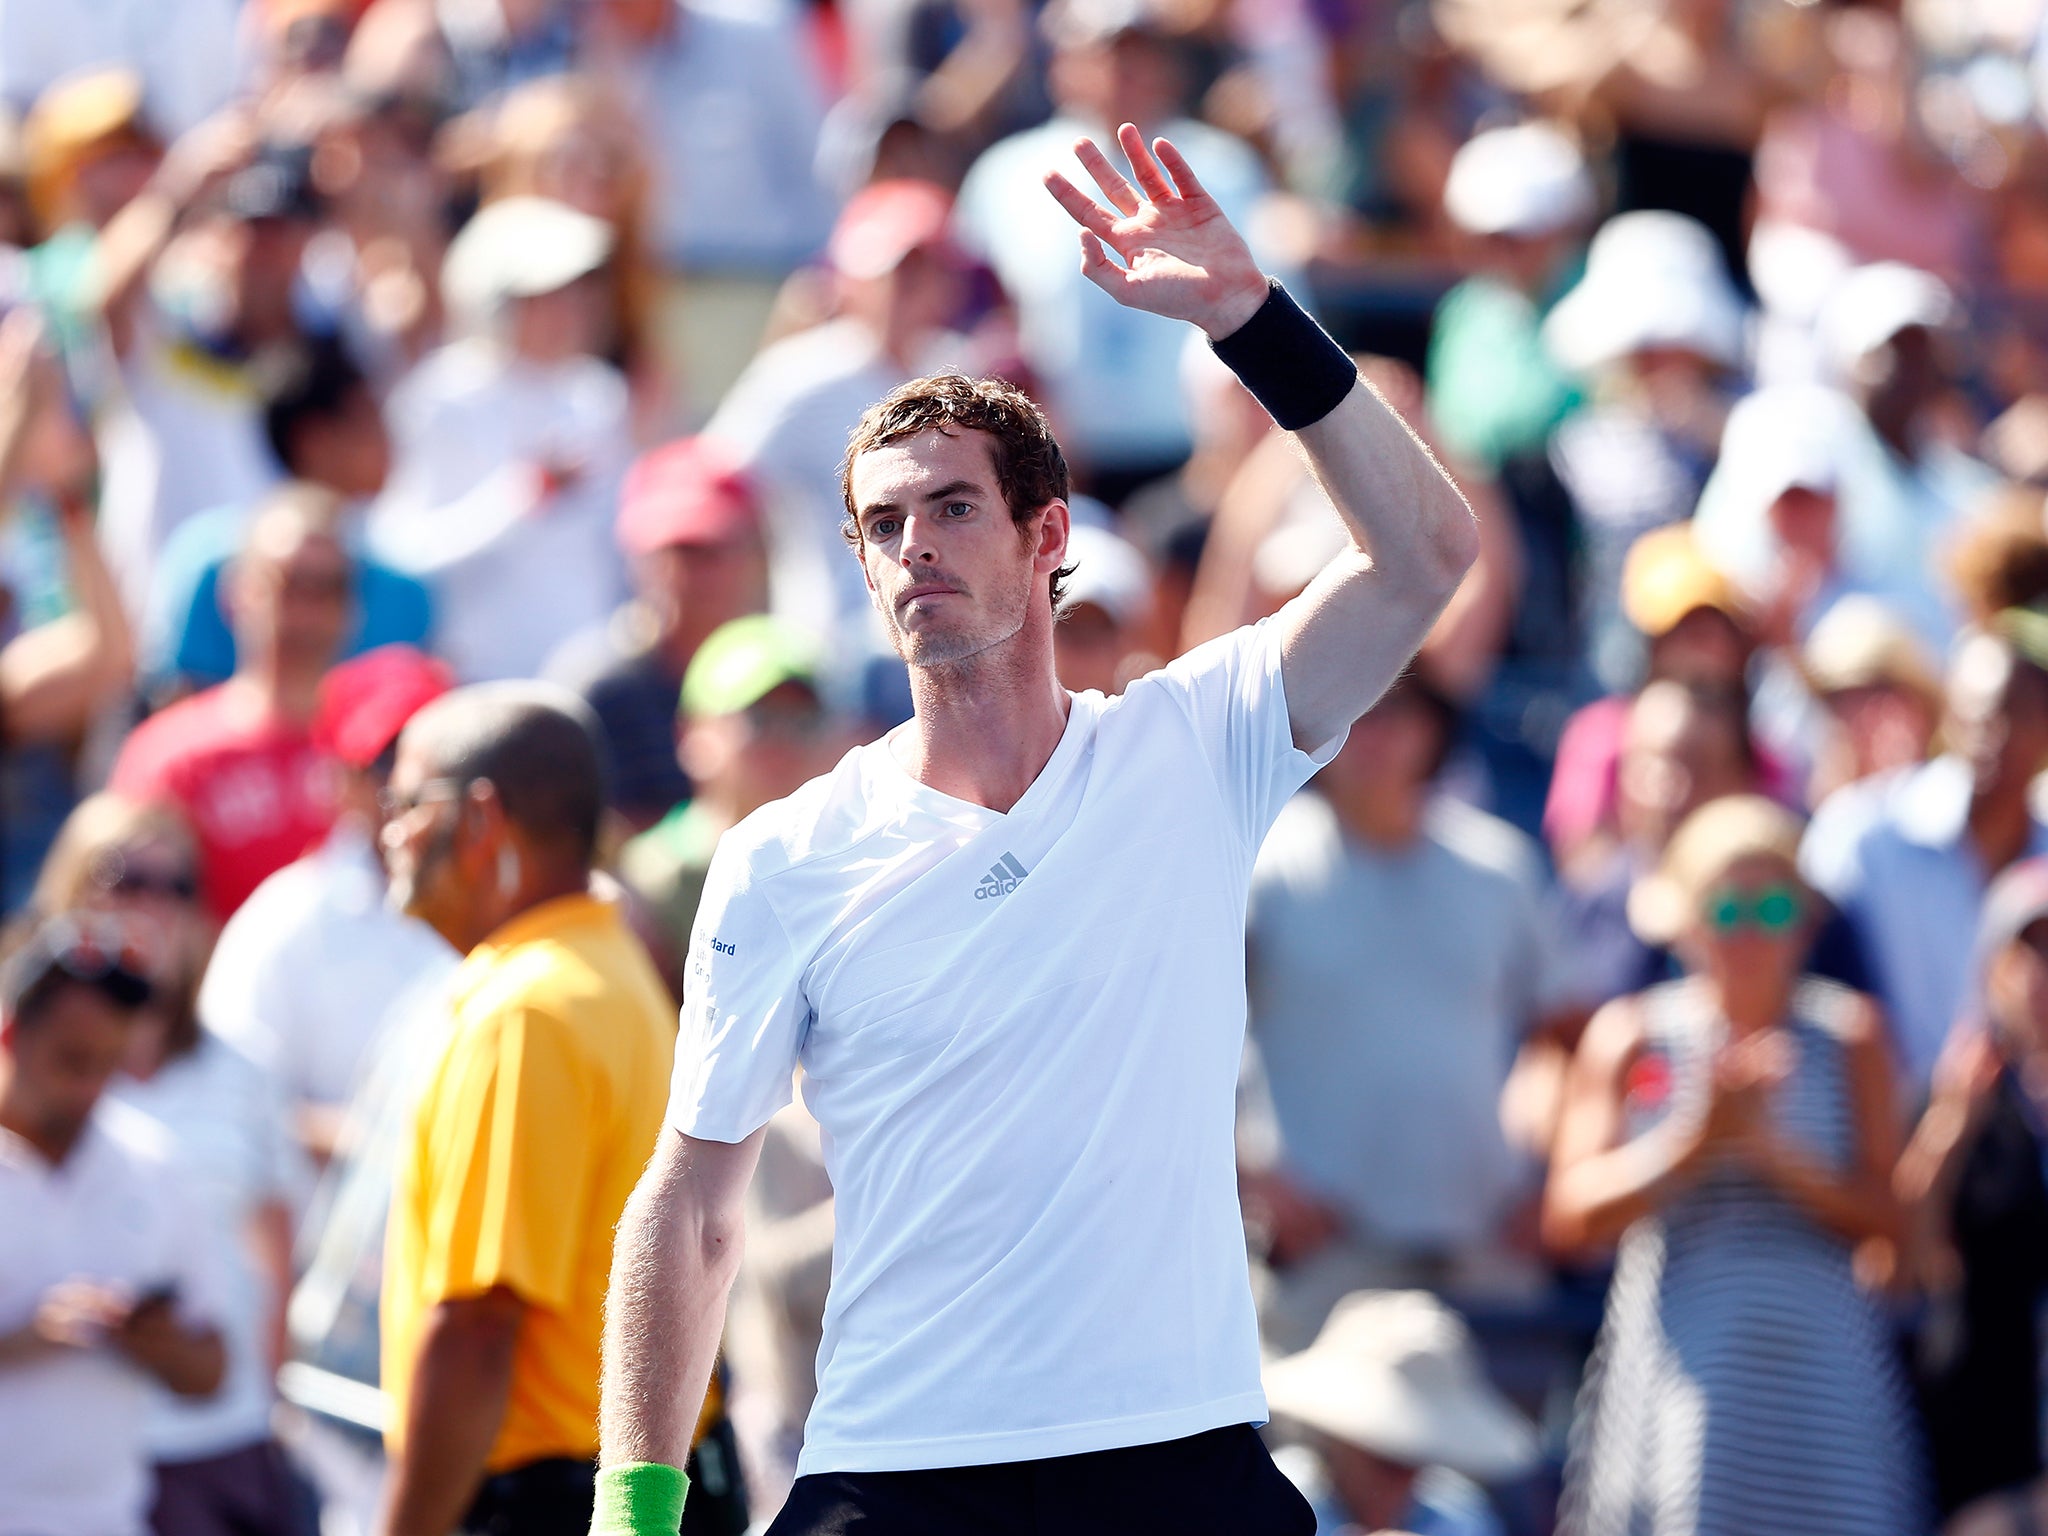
(1412, 535)
(673, 1263)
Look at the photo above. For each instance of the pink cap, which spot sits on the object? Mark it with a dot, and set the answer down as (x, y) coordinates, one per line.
(690, 491)
(885, 222)
(365, 702)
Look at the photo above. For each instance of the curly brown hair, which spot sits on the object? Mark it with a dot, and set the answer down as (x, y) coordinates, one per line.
(1030, 469)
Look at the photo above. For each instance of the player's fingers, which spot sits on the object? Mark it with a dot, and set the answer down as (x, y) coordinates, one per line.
(1081, 208)
(1122, 196)
(1097, 267)
(1183, 174)
(1143, 166)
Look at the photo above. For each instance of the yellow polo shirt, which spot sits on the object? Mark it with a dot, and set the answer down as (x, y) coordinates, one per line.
(528, 1138)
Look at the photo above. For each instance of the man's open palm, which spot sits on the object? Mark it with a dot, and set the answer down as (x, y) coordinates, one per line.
(1181, 257)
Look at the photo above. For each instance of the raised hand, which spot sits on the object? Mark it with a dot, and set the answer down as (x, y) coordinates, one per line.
(1180, 256)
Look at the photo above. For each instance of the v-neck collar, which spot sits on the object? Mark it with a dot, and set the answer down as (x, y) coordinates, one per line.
(905, 784)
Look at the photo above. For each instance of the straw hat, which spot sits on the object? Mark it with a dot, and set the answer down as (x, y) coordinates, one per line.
(1653, 279)
(1708, 843)
(1395, 1373)
(1862, 643)
(1665, 576)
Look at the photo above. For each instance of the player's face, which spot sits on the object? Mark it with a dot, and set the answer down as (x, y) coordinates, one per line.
(951, 573)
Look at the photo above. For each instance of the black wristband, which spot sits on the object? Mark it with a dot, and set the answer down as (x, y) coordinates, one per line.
(1288, 362)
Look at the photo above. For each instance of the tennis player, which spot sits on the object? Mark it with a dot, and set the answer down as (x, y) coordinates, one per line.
(1005, 943)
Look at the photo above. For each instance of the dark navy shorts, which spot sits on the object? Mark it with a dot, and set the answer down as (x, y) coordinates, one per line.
(1218, 1483)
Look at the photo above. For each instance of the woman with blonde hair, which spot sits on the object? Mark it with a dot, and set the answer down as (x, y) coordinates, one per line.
(1734, 1132)
(218, 1469)
(564, 137)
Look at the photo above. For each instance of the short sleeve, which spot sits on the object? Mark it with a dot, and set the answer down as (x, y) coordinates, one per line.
(744, 1010)
(511, 1126)
(1231, 692)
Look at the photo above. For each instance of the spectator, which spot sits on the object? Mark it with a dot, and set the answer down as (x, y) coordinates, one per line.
(508, 444)
(532, 1127)
(729, 104)
(897, 277)
(1109, 373)
(1401, 1421)
(325, 428)
(238, 759)
(65, 651)
(199, 277)
(1972, 1179)
(89, 153)
(1735, 1132)
(1100, 641)
(1655, 329)
(1520, 196)
(690, 524)
(569, 137)
(1878, 691)
(1900, 483)
(1697, 632)
(753, 729)
(313, 968)
(1681, 748)
(102, 1290)
(217, 1467)
(1905, 857)
(1392, 1166)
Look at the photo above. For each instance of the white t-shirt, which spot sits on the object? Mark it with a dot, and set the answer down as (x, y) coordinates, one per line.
(226, 1131)
(71, 1424)
(308, 970)
(1020, 1037)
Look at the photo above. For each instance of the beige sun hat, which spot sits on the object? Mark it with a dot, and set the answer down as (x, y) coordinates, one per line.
(1708, 843)
(1396, 1373)
(1861, 642)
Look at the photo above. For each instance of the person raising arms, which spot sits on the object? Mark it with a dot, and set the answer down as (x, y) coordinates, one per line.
(1005, 944)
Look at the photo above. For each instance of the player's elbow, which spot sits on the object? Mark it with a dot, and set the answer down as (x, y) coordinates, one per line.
(1452, 547)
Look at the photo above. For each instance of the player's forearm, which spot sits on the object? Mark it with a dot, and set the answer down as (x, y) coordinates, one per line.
(1399, 505)
(673, 1264)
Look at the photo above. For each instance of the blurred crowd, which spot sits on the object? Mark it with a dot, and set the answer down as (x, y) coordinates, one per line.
(421, 437)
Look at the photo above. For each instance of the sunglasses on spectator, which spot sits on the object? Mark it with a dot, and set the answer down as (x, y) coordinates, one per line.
(1775, 909)
(94, 948)
(394, 805)
(120, 873)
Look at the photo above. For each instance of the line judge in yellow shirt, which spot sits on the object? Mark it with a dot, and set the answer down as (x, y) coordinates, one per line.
(531, 1129)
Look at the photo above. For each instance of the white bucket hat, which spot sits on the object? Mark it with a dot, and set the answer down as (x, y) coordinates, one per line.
(519, 247)
(1395, 1373)
(1108, 572)
(1652, 279)
(1874, 303)
(1529, 180)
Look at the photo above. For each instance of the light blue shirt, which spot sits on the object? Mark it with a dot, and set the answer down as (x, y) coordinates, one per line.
(1894, 856)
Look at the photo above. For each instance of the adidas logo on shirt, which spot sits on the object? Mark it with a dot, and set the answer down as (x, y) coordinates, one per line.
(1001, 879)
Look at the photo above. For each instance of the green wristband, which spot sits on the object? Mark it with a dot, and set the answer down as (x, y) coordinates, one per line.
(640, 1498)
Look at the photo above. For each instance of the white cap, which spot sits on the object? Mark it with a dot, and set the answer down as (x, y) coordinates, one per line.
(1874, 303)
(1528, 180)
(1652, 279)
(1396, 1373)
(1108, 572)
(518, 247)
(1787, 452)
